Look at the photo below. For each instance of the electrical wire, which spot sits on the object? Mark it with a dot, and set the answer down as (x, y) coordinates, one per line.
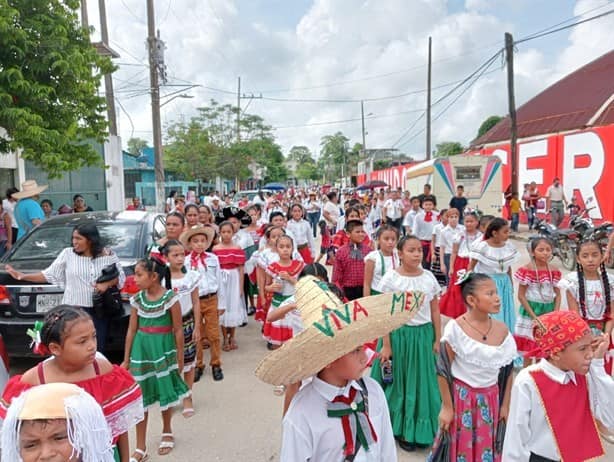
(356, 119)
(119, 103)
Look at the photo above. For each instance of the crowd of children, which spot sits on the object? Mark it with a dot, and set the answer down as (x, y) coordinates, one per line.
(430, 386)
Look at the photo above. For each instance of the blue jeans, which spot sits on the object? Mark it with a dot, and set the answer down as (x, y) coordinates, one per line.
(102, 328)
(515, 221)
(312, 218)
(531, 216)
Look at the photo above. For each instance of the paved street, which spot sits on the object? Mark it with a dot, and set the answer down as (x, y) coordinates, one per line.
(238, 419)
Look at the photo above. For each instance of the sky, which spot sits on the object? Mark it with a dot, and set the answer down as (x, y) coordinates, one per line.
(331, 54)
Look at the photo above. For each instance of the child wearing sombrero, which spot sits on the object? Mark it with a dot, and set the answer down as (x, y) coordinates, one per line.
(556, 401)
(340, 415)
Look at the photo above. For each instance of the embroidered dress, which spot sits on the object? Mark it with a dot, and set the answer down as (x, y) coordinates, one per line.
(540, 295)
(116, 391)
(153, 358)
(451, 303)
(413, 396)
(280, 331)
(496, 262)
(595, 311)
(382, 264)
(183, 288)
(435, 262)
(475, 393)
(229, 296)
(262, 259)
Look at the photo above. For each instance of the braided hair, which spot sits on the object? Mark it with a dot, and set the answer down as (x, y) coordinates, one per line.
(605, 282)
(56, 320)
(155, 265)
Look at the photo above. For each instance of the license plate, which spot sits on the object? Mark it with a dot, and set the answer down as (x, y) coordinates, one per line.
(44, 302)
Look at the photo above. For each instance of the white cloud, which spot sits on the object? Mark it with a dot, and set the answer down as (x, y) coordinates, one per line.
(211, 42)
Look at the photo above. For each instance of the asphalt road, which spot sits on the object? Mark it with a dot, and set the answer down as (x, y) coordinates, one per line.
(237, 419)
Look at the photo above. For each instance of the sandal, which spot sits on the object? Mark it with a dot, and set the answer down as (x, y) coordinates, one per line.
(139, 452)
(233, 345)
(166, 446)
(188, 412)
(226, 347)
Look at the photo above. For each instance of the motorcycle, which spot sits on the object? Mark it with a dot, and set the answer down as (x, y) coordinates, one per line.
(563, 241)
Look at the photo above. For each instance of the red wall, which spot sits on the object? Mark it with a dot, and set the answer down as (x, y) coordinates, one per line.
(583, 160)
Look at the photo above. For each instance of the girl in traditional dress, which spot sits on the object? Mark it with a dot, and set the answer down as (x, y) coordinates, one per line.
(413, 396)
(255, 230)
(475, 347)
(379, 262)
(281, 276)
(437, 268)
(451, 303)
(155, 335)
(263, 259)
(68, 335)
(538, 293)
(301, 230)
(185, 285)
(230, 292)
(495, 256)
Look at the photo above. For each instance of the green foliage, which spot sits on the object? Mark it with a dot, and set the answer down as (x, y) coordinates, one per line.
(49, 79)
(448, 148)
(206, 147)
(488, 124)
(334, 158)
(136, 146)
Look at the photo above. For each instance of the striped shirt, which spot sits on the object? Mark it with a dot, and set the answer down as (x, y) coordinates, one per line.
(77, 275)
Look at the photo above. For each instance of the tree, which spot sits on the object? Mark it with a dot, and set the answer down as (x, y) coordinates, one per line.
(300, 155)
(334, 155)
(488, 124)
(49, 79)
(136, 146)
(448, 148)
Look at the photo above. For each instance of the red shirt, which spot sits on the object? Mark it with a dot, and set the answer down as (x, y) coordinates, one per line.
(348, 272)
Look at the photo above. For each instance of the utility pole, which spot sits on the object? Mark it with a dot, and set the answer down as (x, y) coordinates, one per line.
(152, 46)
(238, 109)
(509, 58)
(428, 103)
(84, 17)
(108, 78)
(362, 117)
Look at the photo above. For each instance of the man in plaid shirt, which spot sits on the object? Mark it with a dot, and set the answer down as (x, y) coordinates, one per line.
(349, 266)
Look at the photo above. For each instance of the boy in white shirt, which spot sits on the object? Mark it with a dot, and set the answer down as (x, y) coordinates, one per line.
(556, 401)
(408, 221)
(424, 222)
(339, 415)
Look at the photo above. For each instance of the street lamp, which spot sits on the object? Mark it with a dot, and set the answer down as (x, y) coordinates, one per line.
(183, 95)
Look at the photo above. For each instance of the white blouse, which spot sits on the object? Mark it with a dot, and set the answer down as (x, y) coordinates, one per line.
(426, 283)
(493, 260)
(476, 363)
(593, 294)
(183, 288)
(466, 241)
(382, 265)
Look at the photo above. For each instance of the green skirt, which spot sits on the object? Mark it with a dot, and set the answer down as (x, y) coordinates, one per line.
(413, 396)
(153, 364)
(375, 292)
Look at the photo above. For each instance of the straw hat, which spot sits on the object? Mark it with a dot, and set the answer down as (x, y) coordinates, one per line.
(229, 212)
(88, 433)
(189, 233)
(333, 329)
(29, 188)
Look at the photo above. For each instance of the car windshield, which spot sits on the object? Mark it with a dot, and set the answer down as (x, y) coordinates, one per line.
(46, 242)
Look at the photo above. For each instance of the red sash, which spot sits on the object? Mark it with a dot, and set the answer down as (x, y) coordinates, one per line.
(572, 426)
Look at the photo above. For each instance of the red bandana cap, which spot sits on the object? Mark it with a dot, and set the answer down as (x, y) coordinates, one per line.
(555, 331)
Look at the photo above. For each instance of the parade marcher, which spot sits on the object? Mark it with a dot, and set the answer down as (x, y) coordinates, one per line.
(230, 293)
(408, 220)
(330, 212)
(173, 226)
(154, 350)
(556, 202)
(449, 234)
(191, 215)
(538, 293)
(197, 240)
(424, 222)
(495, 256)
(392, 211)
(319, 424)
(314, 211)
(476, 353)
(451, 303)
(301, 230)
(68, 335)
(56, 421)
(555, 402)
(379, 262)
(262, 259)
(349, 266)
(437, 260)
(413, 396)
(184, 283)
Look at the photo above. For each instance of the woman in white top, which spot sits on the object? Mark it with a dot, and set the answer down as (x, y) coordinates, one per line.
(313, 207)
(76, 270)
(495, 256)
(475, 348)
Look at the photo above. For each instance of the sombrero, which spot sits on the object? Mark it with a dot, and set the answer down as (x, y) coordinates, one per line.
(29, 188)
(189, 233)
(333, 329)
(230, 212)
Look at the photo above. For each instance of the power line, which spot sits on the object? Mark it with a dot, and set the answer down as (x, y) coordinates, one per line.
(356, 119)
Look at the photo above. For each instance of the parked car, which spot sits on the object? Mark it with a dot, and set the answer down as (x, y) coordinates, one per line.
(250, 193)
(128, 233)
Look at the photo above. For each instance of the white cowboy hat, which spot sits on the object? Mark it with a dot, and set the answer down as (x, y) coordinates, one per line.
(29, 188)
(189, 233)
(333, 329)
